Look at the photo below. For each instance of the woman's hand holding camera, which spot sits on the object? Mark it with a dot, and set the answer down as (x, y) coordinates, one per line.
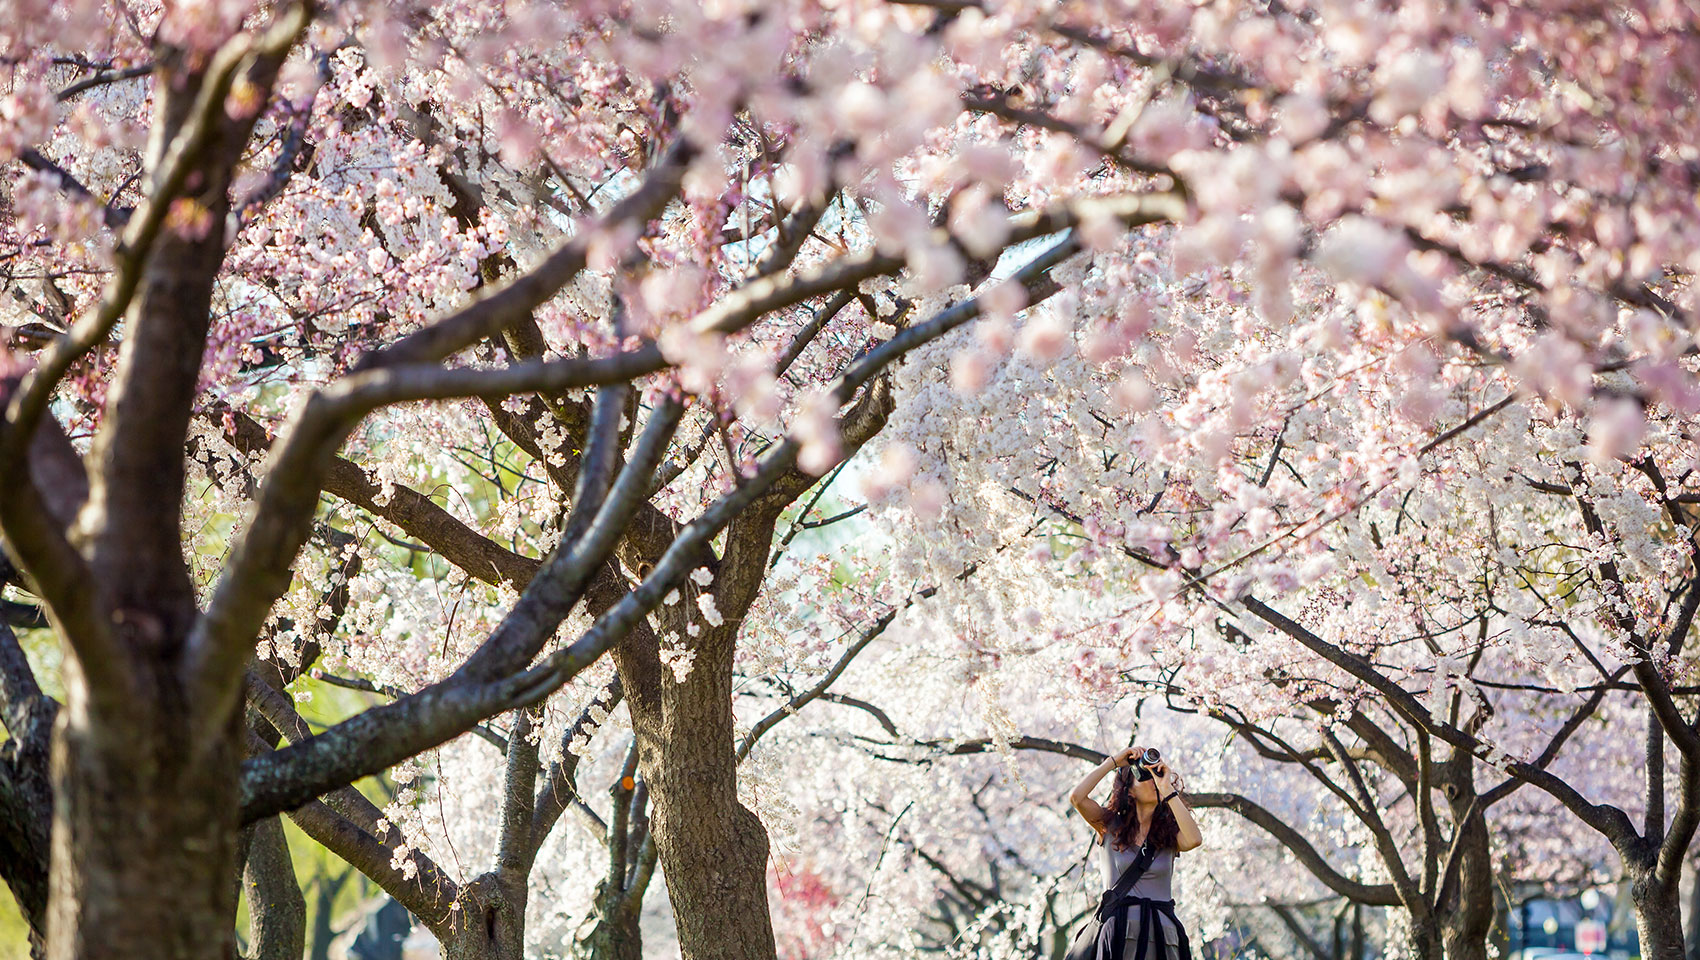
(1124, 758)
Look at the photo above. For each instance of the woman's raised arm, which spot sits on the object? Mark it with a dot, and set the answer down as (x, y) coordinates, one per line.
(1190, 837)
(1081, 795)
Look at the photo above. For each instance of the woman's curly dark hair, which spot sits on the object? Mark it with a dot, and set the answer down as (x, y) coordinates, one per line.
(1123, 827)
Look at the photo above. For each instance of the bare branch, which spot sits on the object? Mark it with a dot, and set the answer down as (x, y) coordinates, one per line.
(1550, 751)
(113, 217)
(481, 730)
(416, 514)
(1608, 820)
(102, 78)
(803, 699)
(1379, 895)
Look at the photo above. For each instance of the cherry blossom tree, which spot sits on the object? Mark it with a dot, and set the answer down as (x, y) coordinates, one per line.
(280, 270)
(206, 221)
(1471, 571)
(1466, 612)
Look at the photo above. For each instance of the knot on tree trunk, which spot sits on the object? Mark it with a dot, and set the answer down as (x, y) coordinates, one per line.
(488, 922)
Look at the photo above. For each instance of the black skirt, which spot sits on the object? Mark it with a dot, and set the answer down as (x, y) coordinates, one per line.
(1143, 929)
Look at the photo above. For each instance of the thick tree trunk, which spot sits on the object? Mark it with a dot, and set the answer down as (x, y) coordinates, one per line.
(1467, 915)
(145, 832)
(144, 835)
(713, 851)
(1465, 944)
(1428, 941)
(277, 912)
(1658, 919)
(145, 768)
(488, 922)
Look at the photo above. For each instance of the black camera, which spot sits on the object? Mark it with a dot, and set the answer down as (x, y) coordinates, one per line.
(1143, 763)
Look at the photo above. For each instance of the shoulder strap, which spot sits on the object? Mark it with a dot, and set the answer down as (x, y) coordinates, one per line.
(1129, 877)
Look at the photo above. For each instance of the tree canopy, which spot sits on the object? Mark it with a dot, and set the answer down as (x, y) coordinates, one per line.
(599, 386)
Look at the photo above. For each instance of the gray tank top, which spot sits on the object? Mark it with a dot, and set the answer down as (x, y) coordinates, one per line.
(1156, 883)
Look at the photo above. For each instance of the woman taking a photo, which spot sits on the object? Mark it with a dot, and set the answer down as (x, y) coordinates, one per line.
(1146, 821)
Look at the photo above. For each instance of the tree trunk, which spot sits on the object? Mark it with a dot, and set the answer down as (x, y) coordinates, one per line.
(1357, 931)
(1658, 918)
(277, 912)
(1467, 915)
(319, 943)
(145, 764)
(713, 851)
(488, 921)
(1465, 945)
(26, 789)
(618, 937)
(1693, 945)
(144, 833)
(1428, 940)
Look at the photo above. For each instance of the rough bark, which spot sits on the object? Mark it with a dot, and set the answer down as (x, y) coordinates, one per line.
(144, 838)
(615, 937)
(488, 921)
(1658, 918)
(712, 849)
(1466, 905)
(277, 912)
(1427, 939)
(26, 790)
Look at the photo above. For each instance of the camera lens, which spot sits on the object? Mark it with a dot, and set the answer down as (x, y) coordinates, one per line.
(1150, 756)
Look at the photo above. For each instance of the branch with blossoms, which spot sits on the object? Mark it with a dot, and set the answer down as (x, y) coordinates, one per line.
(392, 732)
(930, 751)
(63, 577)
(401, 373)
(1607, 819)
(1369, 239)
(428, 219)
(257, 572)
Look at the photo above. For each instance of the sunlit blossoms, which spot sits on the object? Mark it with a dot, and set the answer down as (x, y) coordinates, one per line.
(769, 446)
